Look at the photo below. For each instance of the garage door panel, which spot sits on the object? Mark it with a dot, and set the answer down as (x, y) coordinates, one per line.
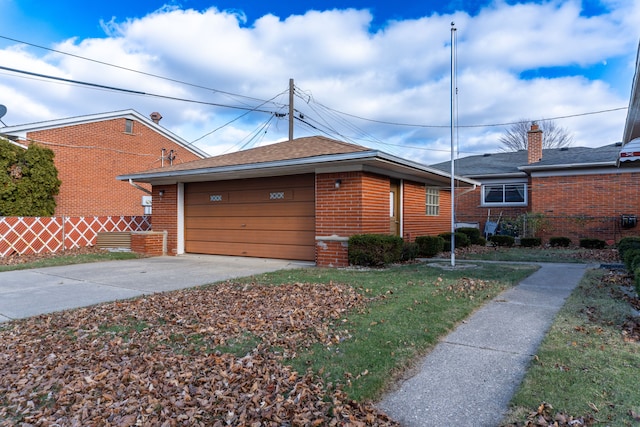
(270, 217)
(251, 236)
(275, 209)
(297, 223)
(260, 250)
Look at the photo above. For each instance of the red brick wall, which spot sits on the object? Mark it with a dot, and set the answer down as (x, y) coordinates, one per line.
(569, 201)
(416, 221)
(90, 156)
(147, 243)
(165, 214)
(360, 205)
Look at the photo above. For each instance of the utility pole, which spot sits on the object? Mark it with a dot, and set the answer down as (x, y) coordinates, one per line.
(290, 109)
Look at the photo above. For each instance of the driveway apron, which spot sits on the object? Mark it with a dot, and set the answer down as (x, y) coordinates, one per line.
(26, 293)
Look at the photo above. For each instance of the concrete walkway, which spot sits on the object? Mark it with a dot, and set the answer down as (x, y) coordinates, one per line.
(471, 375)
(25, 293)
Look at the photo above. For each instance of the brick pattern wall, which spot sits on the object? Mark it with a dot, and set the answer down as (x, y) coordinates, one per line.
(148, 243)
(360, 205)
(534, 144)
(587, 205)
(165, 214)
(416, 221)
(90, 156)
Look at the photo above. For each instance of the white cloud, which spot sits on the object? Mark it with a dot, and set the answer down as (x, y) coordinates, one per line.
(398, 73)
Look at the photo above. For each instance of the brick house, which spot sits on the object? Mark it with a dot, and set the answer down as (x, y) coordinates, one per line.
(90, 151)
(579, 192)
(298, 199)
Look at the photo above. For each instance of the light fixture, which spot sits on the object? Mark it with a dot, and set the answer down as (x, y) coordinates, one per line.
(161, 193)
(338, 182)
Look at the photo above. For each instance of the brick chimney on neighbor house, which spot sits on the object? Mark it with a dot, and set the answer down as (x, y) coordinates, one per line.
(156, 117)
(534, 143)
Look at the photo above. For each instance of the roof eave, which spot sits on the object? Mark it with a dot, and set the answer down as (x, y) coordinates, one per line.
(352, 161)
(632, 124)
(20, 131)
(568, 166)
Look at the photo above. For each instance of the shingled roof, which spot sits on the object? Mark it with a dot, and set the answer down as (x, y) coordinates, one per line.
(307, 147)
(515, 163)
(313, 154)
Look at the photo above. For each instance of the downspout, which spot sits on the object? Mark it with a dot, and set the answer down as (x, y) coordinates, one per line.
(139, 187)
(468, 190)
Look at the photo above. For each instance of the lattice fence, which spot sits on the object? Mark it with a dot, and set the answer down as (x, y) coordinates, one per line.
(28, 235)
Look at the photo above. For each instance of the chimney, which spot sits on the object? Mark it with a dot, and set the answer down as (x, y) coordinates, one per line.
(156, 117)
(534, 144)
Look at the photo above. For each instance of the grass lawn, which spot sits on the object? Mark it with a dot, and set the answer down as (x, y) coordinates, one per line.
(73, 256)
(295, 346)
(588, 366)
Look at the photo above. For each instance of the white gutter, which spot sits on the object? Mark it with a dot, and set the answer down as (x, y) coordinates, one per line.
(567, 166)
(139, 187)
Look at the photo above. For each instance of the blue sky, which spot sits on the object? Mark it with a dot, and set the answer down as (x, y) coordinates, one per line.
(374, 73)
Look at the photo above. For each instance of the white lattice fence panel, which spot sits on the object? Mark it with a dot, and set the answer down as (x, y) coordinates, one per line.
(29, 235)
(83, 231)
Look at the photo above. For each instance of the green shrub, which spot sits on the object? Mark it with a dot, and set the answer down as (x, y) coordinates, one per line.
(592, 243)
(429, 246)
(637, 280)
(562, 242)
(530, 242)
(500, 240)
(461, 240)
(482, 241)
(627, 243)
(631, 259)
(472, 233)
(374, 249)
(409, 251)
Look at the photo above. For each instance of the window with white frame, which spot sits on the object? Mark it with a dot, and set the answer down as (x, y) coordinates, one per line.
(433, 201)
(512, 194)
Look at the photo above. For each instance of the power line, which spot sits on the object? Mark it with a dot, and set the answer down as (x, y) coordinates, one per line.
(467, 126)
(237, 118)
(131, 70)
(132, 92)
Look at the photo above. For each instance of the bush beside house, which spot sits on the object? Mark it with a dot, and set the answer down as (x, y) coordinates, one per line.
(28, 181)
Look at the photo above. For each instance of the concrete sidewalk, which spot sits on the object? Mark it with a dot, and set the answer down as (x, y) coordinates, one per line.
(25, 293)
(471, 375)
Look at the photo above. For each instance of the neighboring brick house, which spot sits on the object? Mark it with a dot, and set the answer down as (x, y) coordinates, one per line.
(300, 199)
(90, 151)
(580, 192)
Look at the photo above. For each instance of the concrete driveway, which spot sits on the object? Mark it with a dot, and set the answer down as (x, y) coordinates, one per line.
(26, 293)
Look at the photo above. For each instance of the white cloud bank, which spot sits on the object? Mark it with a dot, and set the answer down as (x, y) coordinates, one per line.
(514, 61)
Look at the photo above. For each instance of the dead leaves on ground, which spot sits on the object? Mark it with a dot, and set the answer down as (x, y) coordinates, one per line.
(157, 361)
(544, 417)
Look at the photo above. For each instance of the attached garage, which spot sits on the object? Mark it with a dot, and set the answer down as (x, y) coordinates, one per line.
(266, 217)
(300, 200)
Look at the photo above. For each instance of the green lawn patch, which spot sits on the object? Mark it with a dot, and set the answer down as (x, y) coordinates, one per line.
(588, 366)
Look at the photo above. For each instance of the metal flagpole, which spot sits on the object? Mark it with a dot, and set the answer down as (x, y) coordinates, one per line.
(453, 125)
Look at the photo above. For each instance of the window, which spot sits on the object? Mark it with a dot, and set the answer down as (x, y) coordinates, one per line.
(504, 194)
(433, 201)
(128, 126)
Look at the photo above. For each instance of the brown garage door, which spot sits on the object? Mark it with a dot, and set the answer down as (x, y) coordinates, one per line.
(266, 217)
